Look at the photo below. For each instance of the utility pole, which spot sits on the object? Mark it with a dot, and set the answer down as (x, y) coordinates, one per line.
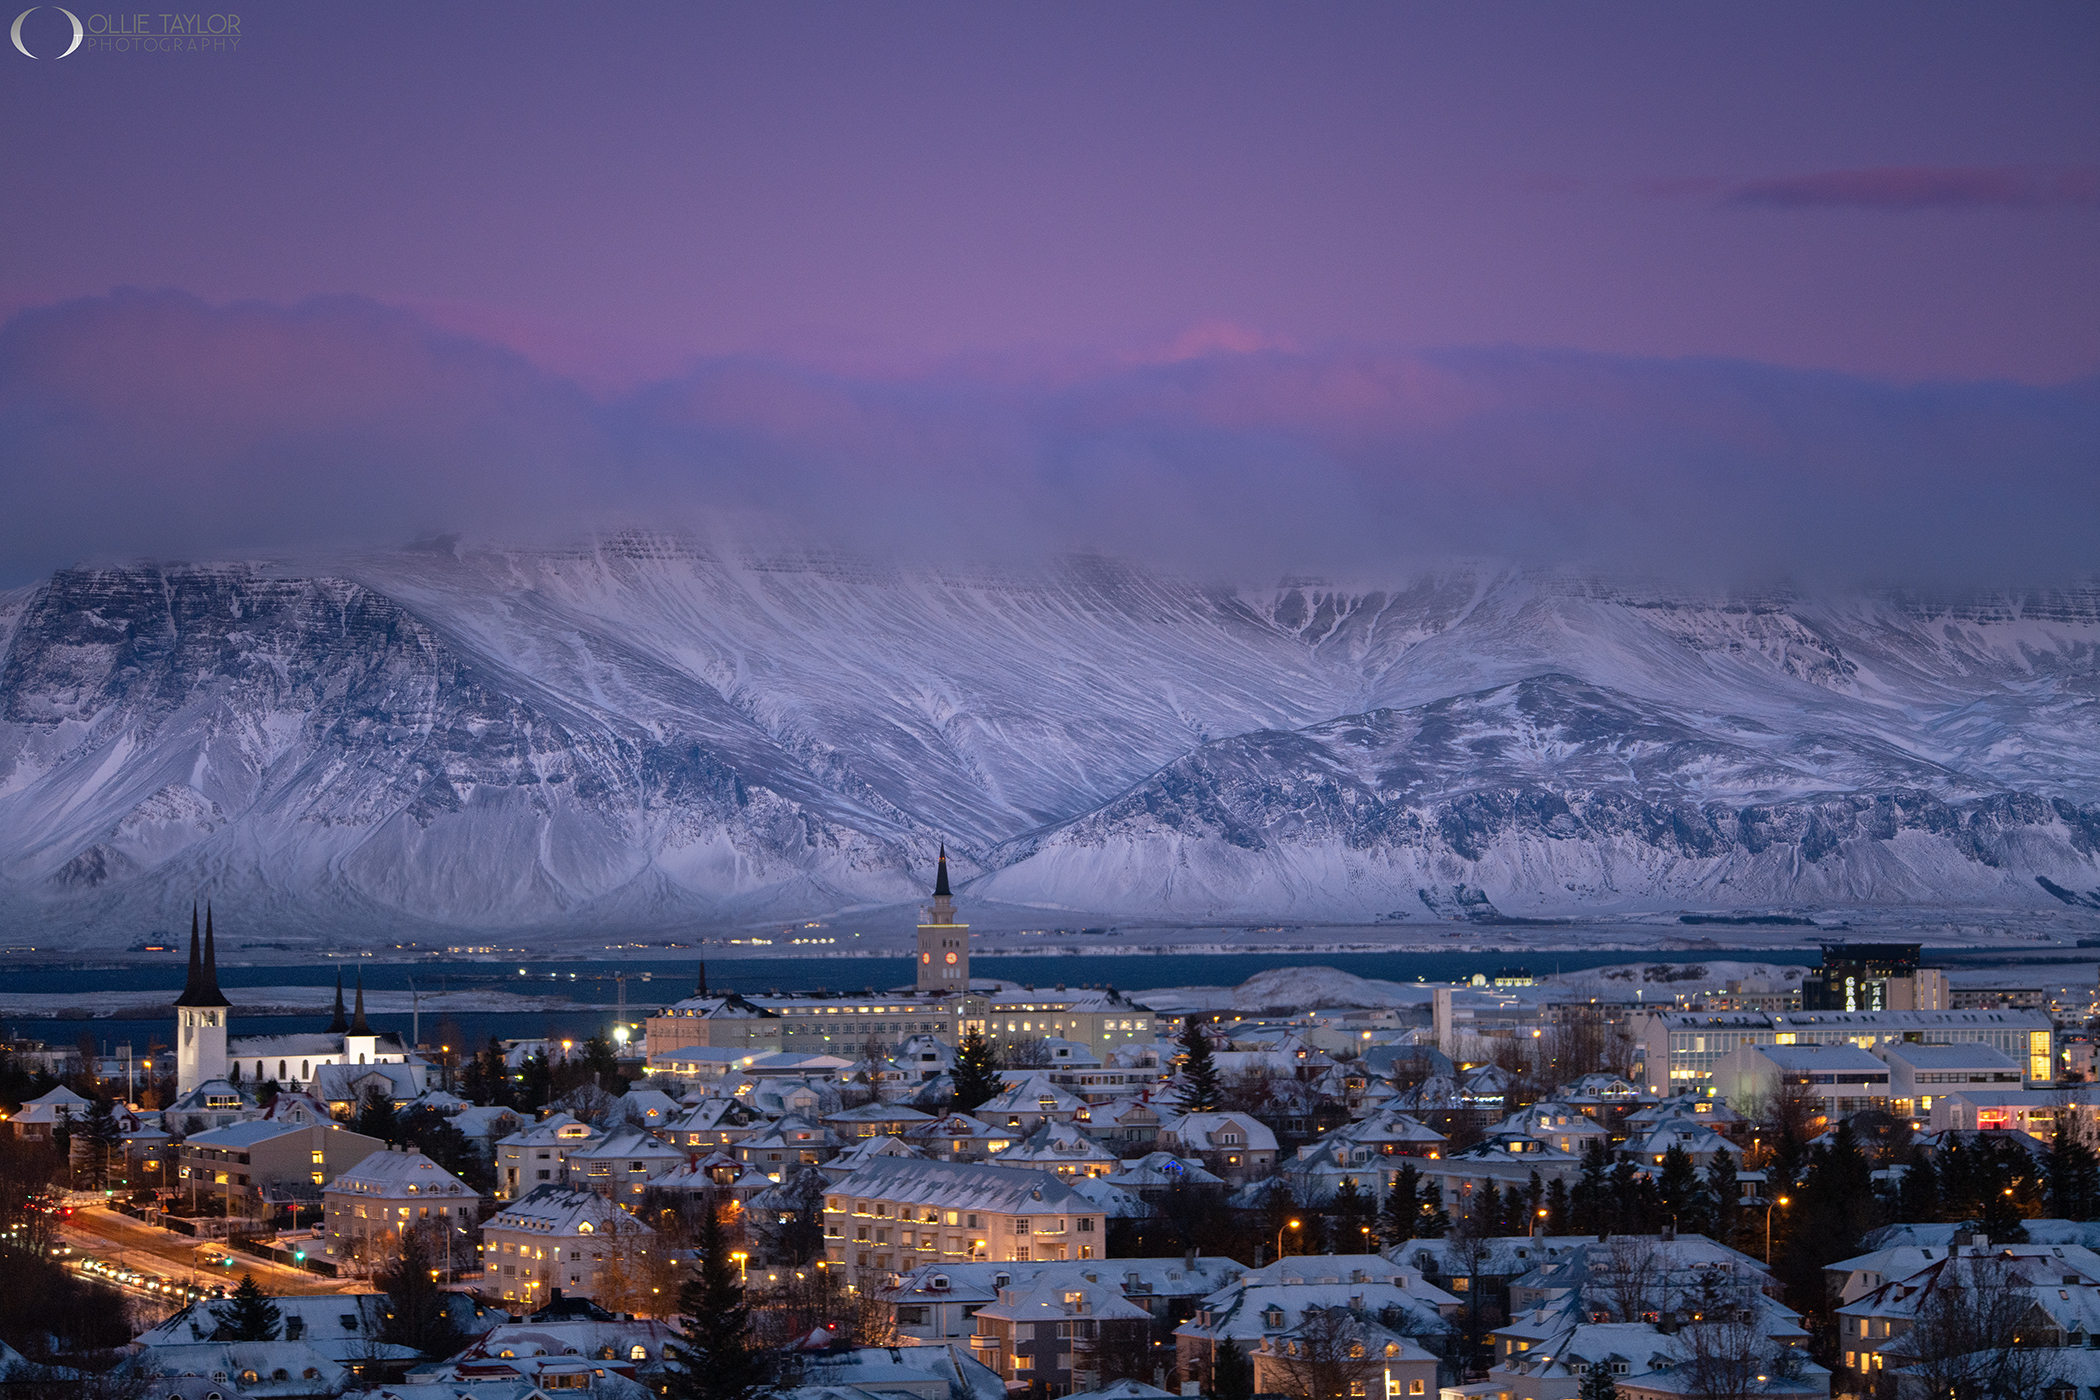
(415, 1014)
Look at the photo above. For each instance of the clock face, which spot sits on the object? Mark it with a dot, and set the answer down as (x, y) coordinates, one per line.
(951, 959)
(925, 957)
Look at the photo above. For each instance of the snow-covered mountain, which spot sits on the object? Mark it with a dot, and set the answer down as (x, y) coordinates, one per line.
(647, 734)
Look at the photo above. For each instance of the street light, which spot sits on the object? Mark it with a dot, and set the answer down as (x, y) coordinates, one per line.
(740, 1257)
(1768, 1226)
(1279, 1236)
(1536, 1217)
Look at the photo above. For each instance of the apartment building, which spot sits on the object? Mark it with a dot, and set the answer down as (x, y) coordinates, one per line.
(367, 1207)
(898, 1213)
(555, 1238)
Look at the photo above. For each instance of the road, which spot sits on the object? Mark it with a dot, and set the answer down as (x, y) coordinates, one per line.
(118, 1239)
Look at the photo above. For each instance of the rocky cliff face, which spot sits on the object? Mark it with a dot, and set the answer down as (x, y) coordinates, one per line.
(647, 735)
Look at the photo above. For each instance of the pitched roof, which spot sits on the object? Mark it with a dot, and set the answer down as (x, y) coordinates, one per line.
(966, 1186)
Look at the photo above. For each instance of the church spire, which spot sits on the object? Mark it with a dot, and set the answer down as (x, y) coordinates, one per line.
(357, 1021)
(341, 1023)
(940, 879)
(202, 989)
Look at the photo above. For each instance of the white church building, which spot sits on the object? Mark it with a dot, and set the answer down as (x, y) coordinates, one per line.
(215, 1075)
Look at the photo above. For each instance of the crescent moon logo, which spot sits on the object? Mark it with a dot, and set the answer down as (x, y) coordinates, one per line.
(14, 30)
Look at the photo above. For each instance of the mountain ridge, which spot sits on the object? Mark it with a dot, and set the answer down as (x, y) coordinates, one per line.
(646, 732)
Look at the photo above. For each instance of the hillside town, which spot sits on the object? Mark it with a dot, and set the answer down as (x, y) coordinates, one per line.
(1843, 1184)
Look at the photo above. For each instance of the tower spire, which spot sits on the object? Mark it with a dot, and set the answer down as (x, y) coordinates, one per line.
(341, 1023)
(357, 1021)
(202, 989)
(189, 984)
(940, 878)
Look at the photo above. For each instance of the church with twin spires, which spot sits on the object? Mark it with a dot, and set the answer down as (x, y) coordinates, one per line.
(206, 1059)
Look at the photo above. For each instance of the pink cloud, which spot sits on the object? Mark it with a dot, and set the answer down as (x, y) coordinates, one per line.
(1926, 187)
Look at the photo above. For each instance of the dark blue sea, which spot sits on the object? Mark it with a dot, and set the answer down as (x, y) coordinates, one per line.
(656, 982)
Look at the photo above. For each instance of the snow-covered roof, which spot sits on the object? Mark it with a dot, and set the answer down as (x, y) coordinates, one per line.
(397, 1175)
(967, 1186)
(557, 1210)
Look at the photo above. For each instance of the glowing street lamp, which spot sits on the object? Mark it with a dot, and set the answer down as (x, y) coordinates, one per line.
(1292, 1225)
(1768, 1225)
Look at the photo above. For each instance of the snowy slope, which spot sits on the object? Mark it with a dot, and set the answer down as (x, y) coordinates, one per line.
(646, 733)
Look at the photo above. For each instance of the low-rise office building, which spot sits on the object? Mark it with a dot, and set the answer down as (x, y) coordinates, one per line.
(1840, 1079)
(1921, 1074)
(244, 1163)
(1680, 1049)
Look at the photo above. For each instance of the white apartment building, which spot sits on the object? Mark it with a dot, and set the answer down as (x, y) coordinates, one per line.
(553, 1237)
(895, 1214)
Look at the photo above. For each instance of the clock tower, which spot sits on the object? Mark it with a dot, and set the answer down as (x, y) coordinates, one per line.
(944, 945)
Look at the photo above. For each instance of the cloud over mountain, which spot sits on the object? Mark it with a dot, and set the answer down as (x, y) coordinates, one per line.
(154, 424)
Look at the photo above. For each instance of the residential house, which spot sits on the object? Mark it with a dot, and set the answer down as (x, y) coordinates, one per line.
(538, 1155)
(1236, 1146)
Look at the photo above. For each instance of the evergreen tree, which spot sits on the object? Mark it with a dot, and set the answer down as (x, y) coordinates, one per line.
(1918, 1193)
(1635, 1207)
(2001, 1220)
(2074, 1172)
(976, 1075)
(1556, 1208)
(1679, 1197)
(1436, 1221)
(1201, 1091)
(535, 1082)
(251, 1318)
(376, 1117)
(1232, 1375)
(602, 1061)
(1589, 1203)
(1485, 1211)
(717, 1359)
(1724, 1195)
(486, 1079)
(438, 1138)
(1401, 1217)
(103, 1137)
(417, 1310)
(1597, 1384)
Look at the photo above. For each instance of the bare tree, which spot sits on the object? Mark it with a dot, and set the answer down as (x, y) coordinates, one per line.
(1725, 1360)
(796, 1302)
(633, 1271)
(1120, 1349)
(1628, 1277)
(1971, 1340)
(1025, 1052)
(1329, 1355)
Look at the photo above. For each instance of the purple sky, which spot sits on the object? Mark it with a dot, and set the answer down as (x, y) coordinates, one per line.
(964, 248)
